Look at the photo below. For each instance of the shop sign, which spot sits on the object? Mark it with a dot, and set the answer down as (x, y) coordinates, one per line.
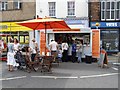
(106, 24)
(3, 26)
(77, 22)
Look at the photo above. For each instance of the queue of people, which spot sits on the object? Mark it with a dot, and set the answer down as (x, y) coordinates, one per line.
(64, 50)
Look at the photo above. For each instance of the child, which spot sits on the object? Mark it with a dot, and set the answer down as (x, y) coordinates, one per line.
(60, 54)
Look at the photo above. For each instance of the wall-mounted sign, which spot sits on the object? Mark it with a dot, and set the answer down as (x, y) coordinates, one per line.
(105, 24)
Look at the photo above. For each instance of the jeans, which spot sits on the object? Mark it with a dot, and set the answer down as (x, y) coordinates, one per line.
(79, 56)
(73, 57)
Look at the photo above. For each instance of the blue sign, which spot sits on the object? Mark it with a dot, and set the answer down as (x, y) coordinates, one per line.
(105, 24)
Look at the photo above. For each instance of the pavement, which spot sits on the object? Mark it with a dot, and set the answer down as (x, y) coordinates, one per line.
(67, 75)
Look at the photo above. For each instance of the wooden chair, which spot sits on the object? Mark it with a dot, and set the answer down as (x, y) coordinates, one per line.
(47, 63)
(31, 65)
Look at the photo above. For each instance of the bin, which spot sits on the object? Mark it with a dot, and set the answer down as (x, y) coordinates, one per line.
(88, 59)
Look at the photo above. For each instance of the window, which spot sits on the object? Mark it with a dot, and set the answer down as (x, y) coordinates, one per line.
(17, 4)
(110, 10)
(118, 10)
(71, 8)
(3, 6)
(110, 39)
(52, 9)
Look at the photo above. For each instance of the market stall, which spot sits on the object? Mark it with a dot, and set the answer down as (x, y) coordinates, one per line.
(89, 38)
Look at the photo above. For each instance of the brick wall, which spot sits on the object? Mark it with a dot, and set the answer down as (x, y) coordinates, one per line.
(94, 10)
(28, 11)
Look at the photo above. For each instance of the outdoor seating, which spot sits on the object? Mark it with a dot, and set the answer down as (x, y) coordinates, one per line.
(32, 65)
(47, 63)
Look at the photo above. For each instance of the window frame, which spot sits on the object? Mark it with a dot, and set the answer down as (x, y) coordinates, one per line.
(73, 9)
(52, 9)
(18, 4)
(3, 6)
(110, 10)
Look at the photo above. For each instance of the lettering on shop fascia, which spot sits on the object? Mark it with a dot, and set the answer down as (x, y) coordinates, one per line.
(111, 24)
(3, 26)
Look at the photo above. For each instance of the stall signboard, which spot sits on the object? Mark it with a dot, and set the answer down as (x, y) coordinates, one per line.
(96, 43)
(42, 43)
(43, 48)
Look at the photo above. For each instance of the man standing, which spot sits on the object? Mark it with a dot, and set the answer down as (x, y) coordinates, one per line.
(53, 48)
(34, 49)
(74, 51)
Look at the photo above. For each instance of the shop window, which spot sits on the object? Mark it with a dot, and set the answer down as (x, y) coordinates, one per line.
(110, 40)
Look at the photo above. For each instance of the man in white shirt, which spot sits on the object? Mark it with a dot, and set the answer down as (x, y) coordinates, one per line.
(65, 51)
(34, 48)
(53, 48)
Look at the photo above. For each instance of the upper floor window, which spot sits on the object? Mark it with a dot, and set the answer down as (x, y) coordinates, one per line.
(3, 6)
(17, 4)
(71, 8)
(52, 9)
(110, 10)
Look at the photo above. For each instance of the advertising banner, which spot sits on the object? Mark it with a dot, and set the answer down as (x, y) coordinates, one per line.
(96, 43)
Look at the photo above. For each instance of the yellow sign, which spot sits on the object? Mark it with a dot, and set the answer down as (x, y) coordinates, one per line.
(12, 26)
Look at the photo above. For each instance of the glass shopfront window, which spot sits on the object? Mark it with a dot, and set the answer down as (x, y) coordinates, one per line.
(23, 37)
(110, 40)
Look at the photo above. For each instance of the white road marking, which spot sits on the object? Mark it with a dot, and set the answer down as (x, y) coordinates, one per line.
(62, 77)
(115, 68)
(101, 75)
(44, 76)
(12, 78)
(56, 77)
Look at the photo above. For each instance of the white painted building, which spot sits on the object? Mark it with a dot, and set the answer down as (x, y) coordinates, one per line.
(62, 8)
(74, 12)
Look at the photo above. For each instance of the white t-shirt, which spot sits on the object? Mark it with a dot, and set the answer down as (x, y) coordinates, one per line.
(65, 46)
(53, 46)
(2, 44)
(34, 47)
(16, 46)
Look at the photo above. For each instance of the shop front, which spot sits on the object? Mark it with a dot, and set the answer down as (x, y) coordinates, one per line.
(110, 35)
(11, 29)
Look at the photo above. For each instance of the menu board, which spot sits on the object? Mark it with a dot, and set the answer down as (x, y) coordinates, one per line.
(95, 43)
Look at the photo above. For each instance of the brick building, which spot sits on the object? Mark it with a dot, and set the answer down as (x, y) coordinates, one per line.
(16, 10)
(107, 14)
